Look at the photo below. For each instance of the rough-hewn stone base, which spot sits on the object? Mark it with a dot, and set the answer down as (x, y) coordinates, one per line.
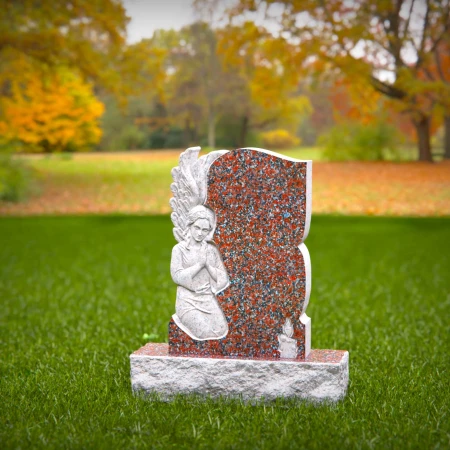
(323, 376)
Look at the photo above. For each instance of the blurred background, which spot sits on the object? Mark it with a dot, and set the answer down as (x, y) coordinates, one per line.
(98, 97)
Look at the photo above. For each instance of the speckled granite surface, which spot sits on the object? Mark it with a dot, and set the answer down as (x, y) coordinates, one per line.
(260, 201)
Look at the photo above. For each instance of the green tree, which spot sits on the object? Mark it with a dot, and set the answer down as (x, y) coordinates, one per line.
(201, 81)
(194, 80)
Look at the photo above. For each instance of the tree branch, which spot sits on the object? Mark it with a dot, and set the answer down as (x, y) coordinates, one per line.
(408, 20)
(422, 42)
(387, 89)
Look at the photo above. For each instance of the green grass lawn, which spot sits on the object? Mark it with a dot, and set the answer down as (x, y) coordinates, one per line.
(78, 293)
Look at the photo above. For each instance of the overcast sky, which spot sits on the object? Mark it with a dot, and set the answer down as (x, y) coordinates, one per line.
(149, 15)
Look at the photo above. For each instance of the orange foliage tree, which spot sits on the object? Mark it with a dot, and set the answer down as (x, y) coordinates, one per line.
(352, 101)
(50, 111)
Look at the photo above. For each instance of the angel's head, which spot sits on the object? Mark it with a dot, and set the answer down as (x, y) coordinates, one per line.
(201, 222)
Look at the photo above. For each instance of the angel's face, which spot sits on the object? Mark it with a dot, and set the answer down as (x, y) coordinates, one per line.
(200, 229)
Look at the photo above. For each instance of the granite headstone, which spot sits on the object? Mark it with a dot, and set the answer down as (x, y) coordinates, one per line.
(243, 277)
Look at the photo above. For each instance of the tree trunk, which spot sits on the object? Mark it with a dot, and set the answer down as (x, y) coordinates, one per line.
(45, 145)
(423, 138)
(211, 128)
(244, 131)
(447, 137)
(189, 134)
(186, 133)
(194, 139)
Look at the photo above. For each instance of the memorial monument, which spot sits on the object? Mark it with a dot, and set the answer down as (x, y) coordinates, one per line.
(243, 277)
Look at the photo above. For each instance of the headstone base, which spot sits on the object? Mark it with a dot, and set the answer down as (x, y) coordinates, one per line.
(323, 376)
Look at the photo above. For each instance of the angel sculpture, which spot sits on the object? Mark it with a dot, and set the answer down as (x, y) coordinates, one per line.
(196, 266)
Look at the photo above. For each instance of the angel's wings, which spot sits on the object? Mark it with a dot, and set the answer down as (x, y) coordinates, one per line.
(189, 187)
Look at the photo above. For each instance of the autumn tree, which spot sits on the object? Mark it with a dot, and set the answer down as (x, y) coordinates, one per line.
(442, 58)
(260, 89)
(85, 35)
(436, 78)
(321, 117)
(171, 88)
(48, 51)
(387, 43)
(352, 101)
(184, 82)
(205, 84)
(50, 111)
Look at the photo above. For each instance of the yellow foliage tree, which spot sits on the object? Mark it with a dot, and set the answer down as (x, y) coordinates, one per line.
(88, 35)
(50, 112)
(259, 66)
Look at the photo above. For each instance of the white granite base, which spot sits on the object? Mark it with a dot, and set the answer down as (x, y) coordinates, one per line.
(323, 377)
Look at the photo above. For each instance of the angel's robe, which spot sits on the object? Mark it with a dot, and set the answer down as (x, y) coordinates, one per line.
(197, 310)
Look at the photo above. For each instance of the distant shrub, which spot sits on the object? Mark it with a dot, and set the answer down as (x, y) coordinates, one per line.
(16, 179)
(356, 141)
(279, 139)
(131, 138)
(174, 138)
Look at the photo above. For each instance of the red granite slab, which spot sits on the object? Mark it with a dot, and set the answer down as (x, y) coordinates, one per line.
(260, 204)
(316, 356)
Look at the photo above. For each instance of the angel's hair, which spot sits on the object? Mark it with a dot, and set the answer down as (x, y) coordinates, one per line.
(201, 212)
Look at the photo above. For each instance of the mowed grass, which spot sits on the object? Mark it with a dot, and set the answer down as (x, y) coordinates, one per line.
(78, 293)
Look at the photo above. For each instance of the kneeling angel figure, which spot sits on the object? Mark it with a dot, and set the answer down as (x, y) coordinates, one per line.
(196, 265)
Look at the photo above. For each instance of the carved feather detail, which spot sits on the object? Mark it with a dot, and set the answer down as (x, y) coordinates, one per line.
(189, 187)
